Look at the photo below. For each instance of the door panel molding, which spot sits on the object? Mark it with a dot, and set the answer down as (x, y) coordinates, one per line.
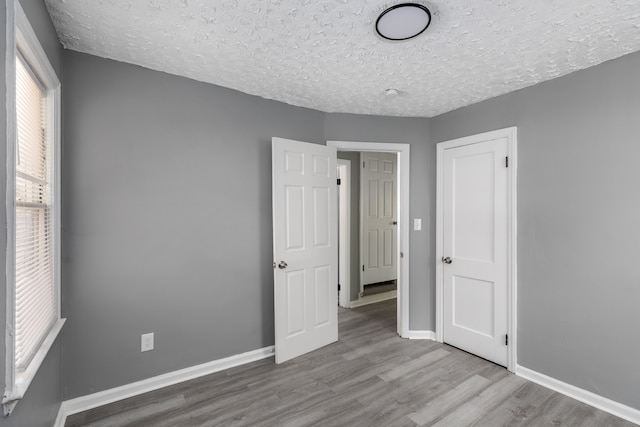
(305, 247)
(511, 136)
(403, 161)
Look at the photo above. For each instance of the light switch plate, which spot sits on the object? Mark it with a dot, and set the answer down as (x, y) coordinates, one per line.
(146, 342)
(417, 224)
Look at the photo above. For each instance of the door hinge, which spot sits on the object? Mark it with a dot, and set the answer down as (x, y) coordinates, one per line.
(506, 161)
(362, 267)
(506, 339)
(362, 165)
(274, 264)
(339, 181)
(401, 254)
(338, 287)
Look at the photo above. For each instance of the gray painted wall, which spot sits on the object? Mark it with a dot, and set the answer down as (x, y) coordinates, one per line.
(414, 131)
(578, 222)
(40, 21)
(167, 219)
(40, 405)
(354, 205)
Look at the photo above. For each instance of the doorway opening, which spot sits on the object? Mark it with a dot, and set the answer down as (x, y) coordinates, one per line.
(392, 239)
(368, 218)
(378, 225)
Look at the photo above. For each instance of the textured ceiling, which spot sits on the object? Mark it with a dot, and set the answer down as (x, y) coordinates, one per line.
(324, 54)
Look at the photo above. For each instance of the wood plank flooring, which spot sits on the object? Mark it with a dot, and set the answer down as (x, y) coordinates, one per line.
(370, 377)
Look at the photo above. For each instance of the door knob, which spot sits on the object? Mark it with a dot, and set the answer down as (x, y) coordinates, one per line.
(395, 223)
(282, 265)
(447, 260)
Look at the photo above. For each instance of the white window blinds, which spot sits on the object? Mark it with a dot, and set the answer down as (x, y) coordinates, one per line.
(35, 291)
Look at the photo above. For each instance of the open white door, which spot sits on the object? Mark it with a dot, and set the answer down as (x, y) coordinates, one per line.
(378, 186)
(475, 248)
(305, 247)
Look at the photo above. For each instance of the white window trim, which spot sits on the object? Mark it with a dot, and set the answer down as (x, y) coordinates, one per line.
(26, 42)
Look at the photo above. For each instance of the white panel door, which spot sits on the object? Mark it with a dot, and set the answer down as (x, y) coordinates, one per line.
(475, 242)
(378, 189)
(305, 247)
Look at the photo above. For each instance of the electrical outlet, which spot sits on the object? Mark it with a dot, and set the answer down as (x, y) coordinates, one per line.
(146, 342)
(417, 224)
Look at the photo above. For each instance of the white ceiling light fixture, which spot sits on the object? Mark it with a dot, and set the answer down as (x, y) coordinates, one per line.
(403, 21)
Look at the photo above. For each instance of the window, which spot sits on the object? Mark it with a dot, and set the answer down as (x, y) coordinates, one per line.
(33, 314)
(35, 293)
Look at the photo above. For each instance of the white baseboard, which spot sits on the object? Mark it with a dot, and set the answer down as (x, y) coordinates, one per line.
(372, 299)
(84, 403)
(422, 335)
(618, 409)
(61, 418)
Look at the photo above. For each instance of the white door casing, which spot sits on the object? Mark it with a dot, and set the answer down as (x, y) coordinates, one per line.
(378, 189)
(344, 232)
(476, 245)
(305, 247)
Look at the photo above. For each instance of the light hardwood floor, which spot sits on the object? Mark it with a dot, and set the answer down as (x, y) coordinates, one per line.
(370, 377)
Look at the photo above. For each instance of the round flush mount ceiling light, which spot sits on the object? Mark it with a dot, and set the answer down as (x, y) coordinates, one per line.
(403, 21)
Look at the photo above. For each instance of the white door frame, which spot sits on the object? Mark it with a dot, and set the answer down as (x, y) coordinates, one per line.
(403, 161)
(512, 142)
(344, 264)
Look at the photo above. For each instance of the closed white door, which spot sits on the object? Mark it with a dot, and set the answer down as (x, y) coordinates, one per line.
(305, 247)
(378, 189)
(475, 204)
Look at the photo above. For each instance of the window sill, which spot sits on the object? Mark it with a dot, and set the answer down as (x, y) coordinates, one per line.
(22, 380)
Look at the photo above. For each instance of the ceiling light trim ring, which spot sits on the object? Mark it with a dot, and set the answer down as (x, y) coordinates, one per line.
(401, 5)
